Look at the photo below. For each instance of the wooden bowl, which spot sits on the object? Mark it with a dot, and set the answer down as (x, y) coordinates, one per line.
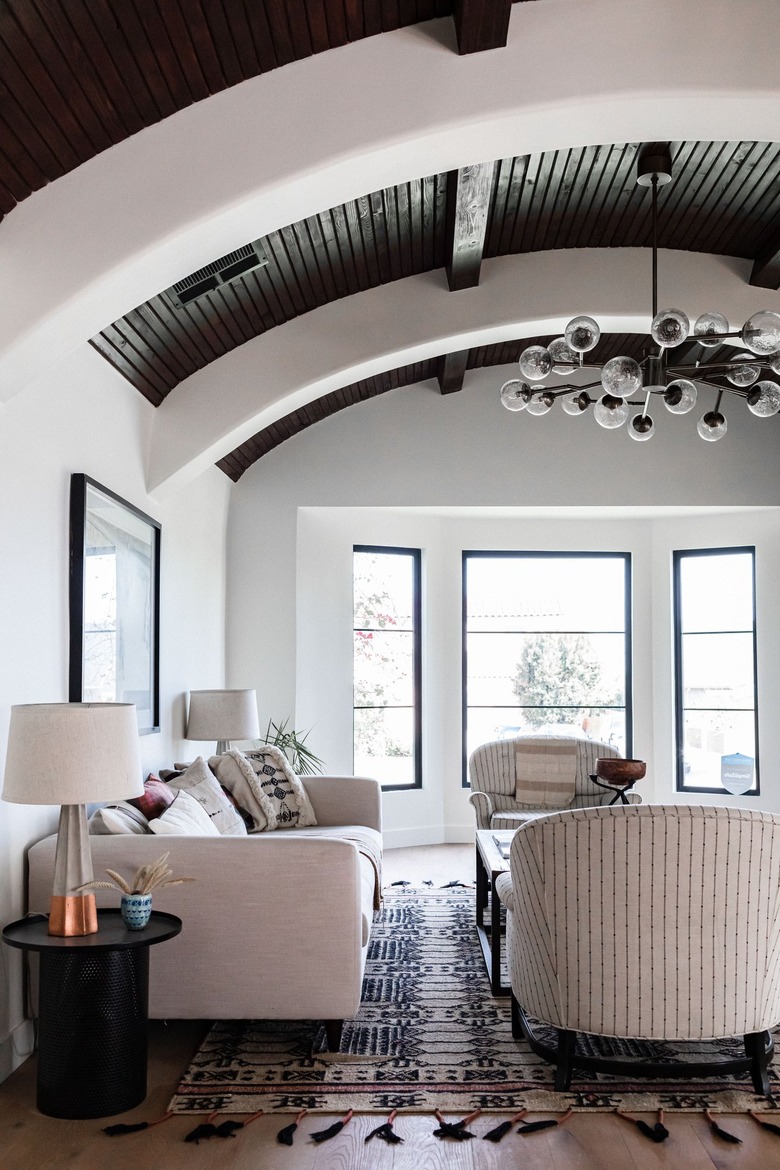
(617, 771)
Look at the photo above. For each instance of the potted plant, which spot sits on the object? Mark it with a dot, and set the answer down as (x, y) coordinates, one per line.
(293, 743)
(136, 901)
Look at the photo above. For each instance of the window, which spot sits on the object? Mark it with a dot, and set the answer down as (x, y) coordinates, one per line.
(387, 665)
(715, 668)
(546, 646)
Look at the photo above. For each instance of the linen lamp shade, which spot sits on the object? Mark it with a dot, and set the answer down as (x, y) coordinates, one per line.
(223, 716)
(71, 754)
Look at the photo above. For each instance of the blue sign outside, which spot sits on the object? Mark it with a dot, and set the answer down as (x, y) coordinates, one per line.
(736, 773)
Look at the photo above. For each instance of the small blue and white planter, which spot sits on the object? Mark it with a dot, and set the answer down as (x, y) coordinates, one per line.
(136, 910)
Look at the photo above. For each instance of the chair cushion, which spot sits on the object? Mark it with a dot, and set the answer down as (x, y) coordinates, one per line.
(513, 820)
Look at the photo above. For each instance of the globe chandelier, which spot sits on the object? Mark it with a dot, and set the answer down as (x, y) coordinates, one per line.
(624, 383)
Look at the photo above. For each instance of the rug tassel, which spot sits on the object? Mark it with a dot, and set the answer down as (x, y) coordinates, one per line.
(119, 1129)
(386, 1131)
(770, 1125)
(656, 1133)
(203, 1131)
(535, 1126)
(285, 1136)
(495, 1135)
(721, 1133)
(324, 1135)
(227, 1129)
(454, 1129)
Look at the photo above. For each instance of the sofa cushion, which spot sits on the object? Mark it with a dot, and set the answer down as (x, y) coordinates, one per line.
(201, 783)
(156, 798)
(118, 818)
(184, 818)
(263, 783)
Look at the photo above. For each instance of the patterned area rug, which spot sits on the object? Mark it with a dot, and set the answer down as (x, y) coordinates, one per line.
(429, 1035)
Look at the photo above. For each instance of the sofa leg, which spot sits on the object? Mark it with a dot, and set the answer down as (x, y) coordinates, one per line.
(517, 1027)
(333, 1030)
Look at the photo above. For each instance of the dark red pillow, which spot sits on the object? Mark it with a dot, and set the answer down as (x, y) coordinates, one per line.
(156, 798)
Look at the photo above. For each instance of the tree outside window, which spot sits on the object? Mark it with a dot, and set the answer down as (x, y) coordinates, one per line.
(547, 646)
(387, 657)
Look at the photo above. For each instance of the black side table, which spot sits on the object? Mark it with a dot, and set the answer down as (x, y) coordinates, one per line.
(92, 1012)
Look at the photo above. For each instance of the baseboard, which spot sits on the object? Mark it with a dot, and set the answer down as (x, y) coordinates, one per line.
(16, 1047)
(460, 834)
(405, 838)
(428, 835)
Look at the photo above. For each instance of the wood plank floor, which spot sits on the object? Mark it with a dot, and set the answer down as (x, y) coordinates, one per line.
(30, 1141)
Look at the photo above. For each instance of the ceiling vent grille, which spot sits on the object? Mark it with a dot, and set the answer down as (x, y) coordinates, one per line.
(222, 271)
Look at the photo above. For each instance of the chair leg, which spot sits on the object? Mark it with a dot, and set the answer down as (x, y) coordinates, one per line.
(517, 1028)
(333, 1030)
(564, 1059)
(759, 1049)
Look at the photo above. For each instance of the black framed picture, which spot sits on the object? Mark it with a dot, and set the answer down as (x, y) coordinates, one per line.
(114, 602)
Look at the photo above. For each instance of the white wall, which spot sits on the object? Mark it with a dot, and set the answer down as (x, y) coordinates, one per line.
(88, 419)
(405, 469)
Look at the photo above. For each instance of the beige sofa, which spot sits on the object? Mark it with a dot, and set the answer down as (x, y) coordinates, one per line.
(277, 924)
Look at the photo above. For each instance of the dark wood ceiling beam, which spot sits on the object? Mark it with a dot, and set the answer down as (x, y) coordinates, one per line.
(481, 24)
(468, 198)
(450, 371)
(766, 267)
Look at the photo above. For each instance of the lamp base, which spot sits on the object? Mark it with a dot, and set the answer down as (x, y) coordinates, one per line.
(72, 911)
(72, 914)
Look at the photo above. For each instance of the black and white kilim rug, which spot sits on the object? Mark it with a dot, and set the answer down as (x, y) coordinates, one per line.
(429, 1036)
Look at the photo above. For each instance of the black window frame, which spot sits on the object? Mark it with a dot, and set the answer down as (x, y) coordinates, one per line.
(415, 554)
(541, 554)
(678, 556)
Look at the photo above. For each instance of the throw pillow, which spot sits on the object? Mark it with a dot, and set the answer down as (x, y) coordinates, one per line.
(264, 784)
(156, 798)
(184, 818)
(118, 818)
(201, 783)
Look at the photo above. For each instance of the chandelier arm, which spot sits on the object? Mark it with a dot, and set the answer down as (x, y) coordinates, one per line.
(729, 365)
(739, 391)
(654, 182)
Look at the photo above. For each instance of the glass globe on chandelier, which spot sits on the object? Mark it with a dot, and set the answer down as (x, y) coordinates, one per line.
(677, 385)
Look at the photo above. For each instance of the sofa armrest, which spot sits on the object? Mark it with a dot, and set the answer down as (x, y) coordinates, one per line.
(345, 800)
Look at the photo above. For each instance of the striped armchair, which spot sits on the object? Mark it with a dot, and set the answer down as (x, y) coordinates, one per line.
(493, 782)
(647, 921)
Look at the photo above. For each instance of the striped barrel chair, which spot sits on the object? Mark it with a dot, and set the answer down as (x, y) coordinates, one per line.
(650, 922)
(493, 782)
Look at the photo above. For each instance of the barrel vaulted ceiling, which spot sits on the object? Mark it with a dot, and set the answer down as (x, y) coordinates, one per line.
(84, 78)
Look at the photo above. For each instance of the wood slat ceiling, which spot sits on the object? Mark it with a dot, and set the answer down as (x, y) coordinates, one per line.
(725, 199)
(79, 76)
(370, 241)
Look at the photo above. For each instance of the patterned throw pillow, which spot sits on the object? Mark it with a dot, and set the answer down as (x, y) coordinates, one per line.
(185, 817)
(263, 783)
(201, 783)
(118, 818)
(156, 798)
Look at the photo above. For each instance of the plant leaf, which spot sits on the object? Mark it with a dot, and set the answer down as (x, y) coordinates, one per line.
(120, 881)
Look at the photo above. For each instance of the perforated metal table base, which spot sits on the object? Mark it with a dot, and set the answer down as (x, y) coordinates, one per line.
(92, 1010)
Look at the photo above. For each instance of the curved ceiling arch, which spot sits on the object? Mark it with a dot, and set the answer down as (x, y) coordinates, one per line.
(725, 200)
(413, 321)
(383, 110)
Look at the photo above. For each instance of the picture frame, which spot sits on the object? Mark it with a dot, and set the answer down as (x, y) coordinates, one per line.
(114, 600)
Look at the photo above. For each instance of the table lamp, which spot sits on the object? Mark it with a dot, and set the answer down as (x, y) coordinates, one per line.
(71, 754)
(223, 716)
